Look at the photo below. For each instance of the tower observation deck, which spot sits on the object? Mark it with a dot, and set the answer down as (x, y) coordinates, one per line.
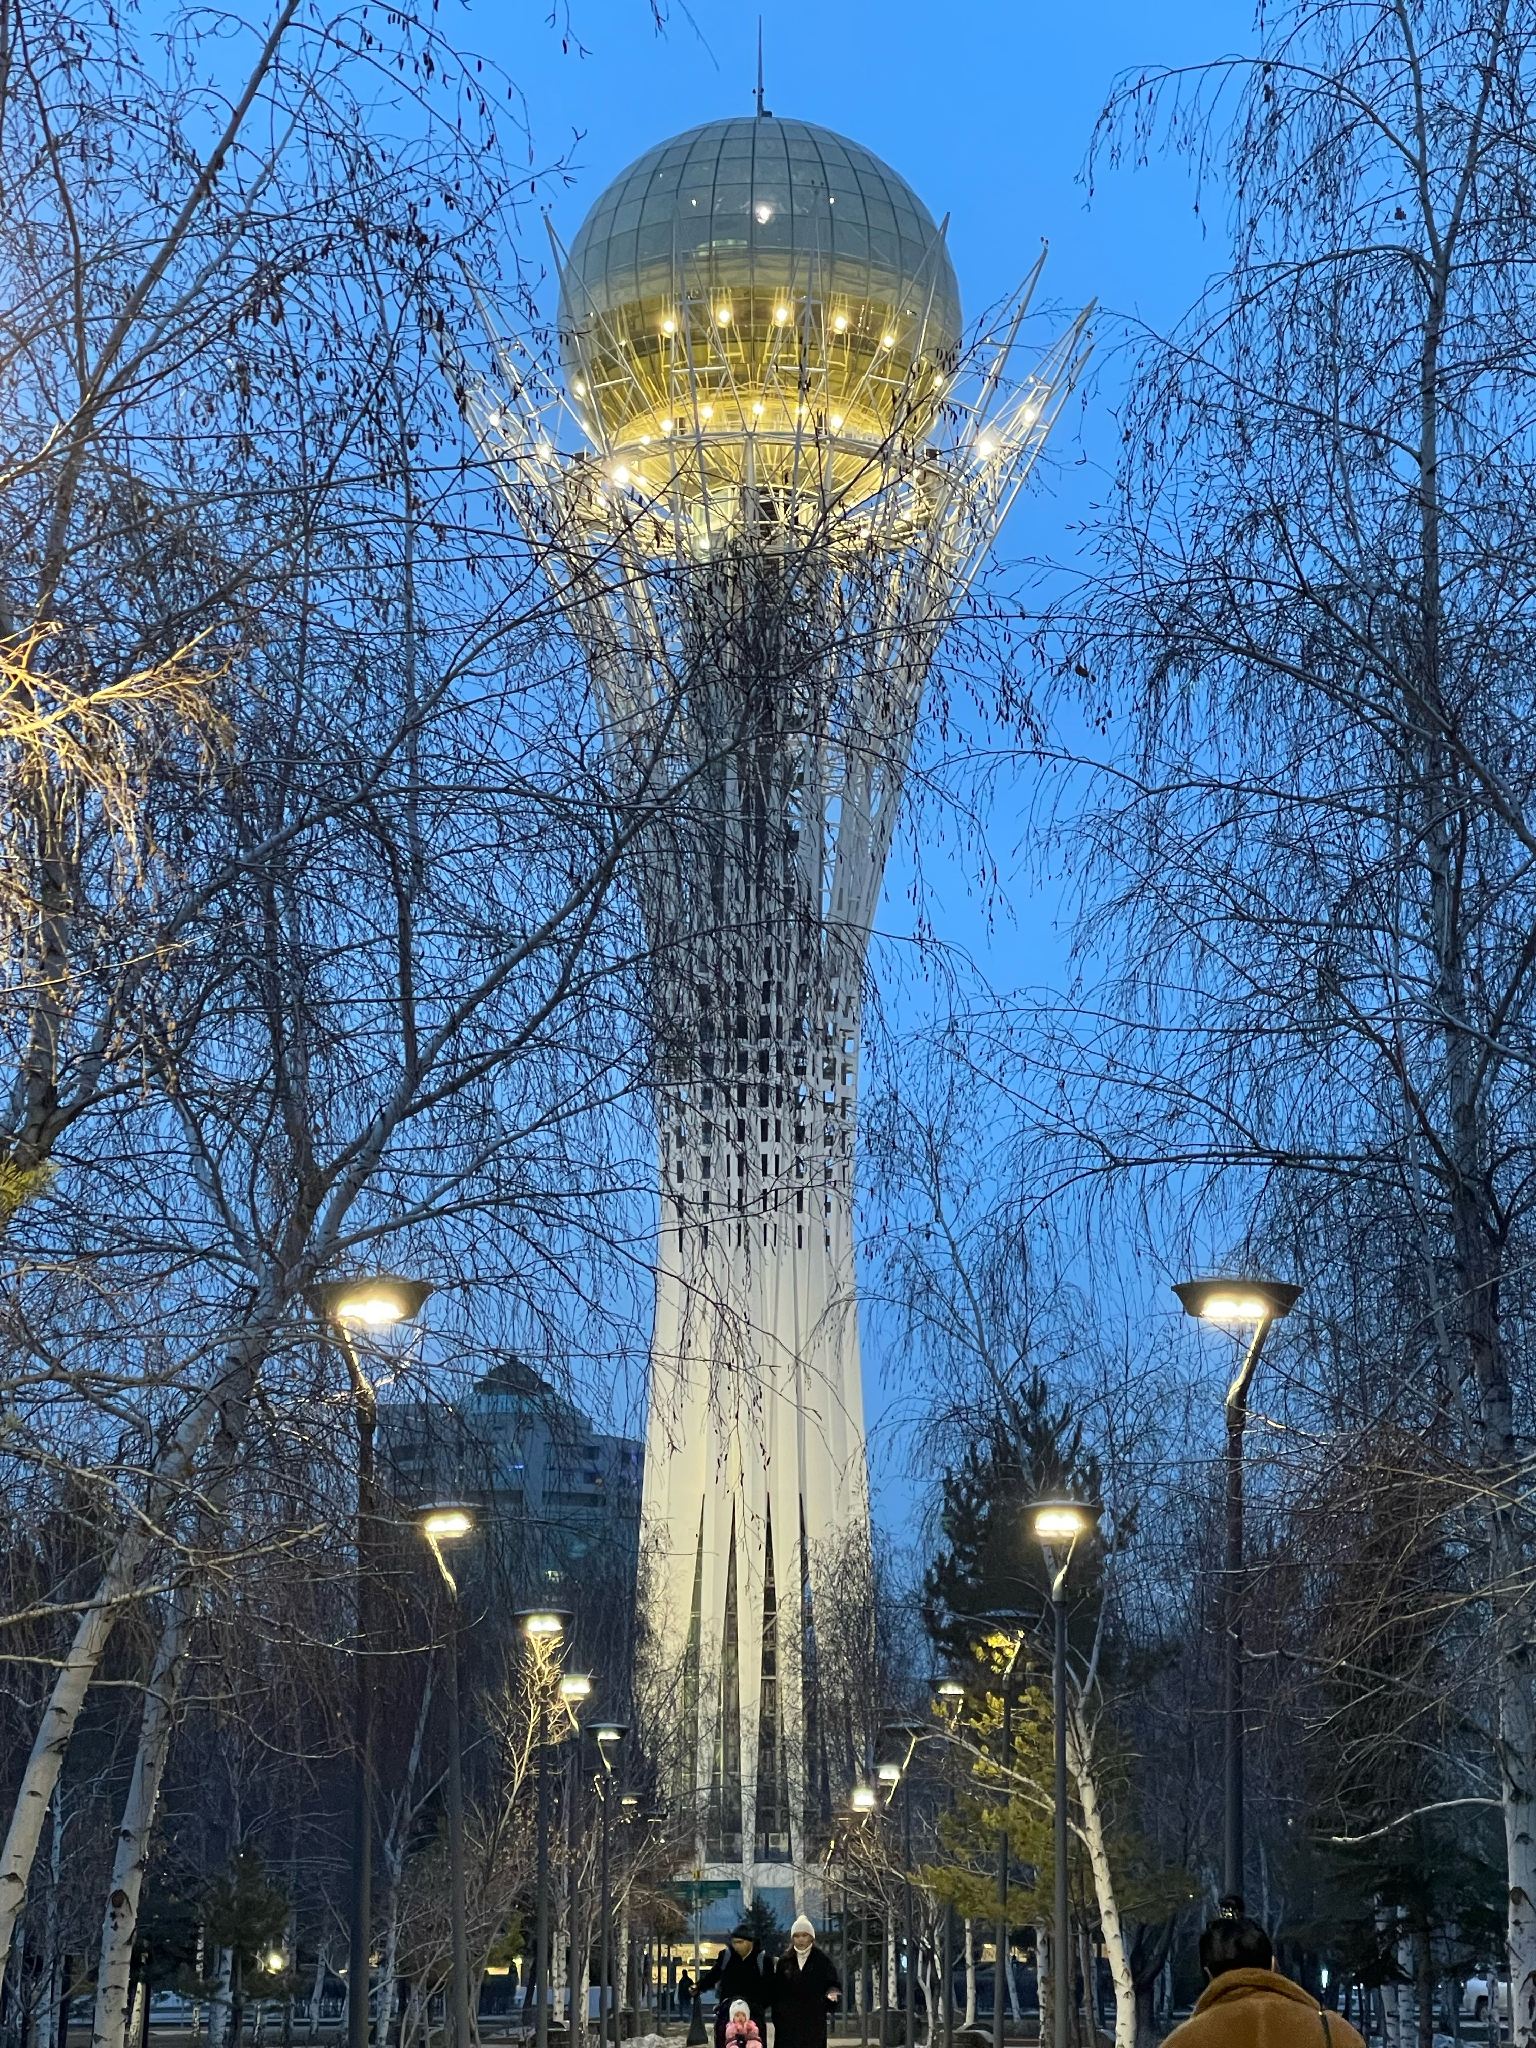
(787, 477)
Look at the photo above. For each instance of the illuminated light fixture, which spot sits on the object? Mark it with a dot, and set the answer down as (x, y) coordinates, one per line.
(864, 1799)
(706, 412)
(840, 323)
(762, 213)
(986, 448)
(620, 474)
(1237, 1301)
(575, 1685)
(544, 1624)
(446, 1524)
(273, 1961)
(376, 1300)
(629, 1801)
(757, 406)
(836, 423)
(949, 1689)
(722, 316)
(887, 341)
(493, 419)
(781, 316)
(669, 325)
(544, 451)
(610, 1732)
(579, 387)
(888, 1773)
(1060, 1521)
(666, 428)
(645, 440)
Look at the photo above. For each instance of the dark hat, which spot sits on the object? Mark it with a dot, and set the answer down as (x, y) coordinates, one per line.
(744, 1933)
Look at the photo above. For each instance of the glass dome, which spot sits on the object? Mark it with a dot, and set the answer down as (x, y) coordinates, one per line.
(765, 280)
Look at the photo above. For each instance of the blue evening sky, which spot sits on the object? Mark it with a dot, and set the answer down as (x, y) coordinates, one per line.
(988, 111)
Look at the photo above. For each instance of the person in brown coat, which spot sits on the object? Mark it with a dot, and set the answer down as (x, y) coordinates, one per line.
(1246, 2002)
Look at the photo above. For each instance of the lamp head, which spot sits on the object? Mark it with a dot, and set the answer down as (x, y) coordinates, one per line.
(446, 1522)
(889, 1772)
(575, 1685)
(543, 1624)
(864, 1799)
(609, 1734)
(372, 1300)
(948, 1694)
(1064, 1521)
(1240, 1302)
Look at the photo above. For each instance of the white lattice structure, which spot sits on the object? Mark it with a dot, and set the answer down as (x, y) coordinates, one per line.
(782, 490)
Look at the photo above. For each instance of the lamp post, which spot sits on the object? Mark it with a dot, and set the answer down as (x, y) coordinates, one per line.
(543, 1630)
(948, 1696)
(575, 1686)
(1000, 1972)
(864, 1800)
(443, 1524)
(1058, 1526)
(1253, 1305)
(609, 1736)
(911, 1733)
(366, 1302)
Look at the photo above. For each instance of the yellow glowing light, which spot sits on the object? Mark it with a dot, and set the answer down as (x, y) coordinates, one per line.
(645, 440)
(273, 1960)
(986, 448)
(757, 405)
(836, 423)
(669, 326)
(706, 412)
(579, 388)
(544, 1624)
(666, 427)
(447, 1525)
(887, 341)
(781, 316)
(620, 474)
(888, 1773)
(576, 1685)
(840, 323)
(864, 1799)
(722, 316)
(1060, 1521)
(1236, 1308)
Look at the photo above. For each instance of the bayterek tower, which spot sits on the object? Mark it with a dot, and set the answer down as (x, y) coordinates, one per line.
(762, 479)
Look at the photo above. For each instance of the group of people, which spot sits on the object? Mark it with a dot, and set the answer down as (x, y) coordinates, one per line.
(800, 1990)
(1246, 2003)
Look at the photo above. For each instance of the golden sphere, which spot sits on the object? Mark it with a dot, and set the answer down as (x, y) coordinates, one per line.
(752, 290)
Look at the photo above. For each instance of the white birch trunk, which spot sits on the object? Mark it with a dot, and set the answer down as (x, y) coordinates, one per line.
(116, 1585)
(121, 1920)
(317, 1989)
(1015, 2010)
(1080, 1756)
(220, 2001)
(969, 2019)
(889, 1999)
(47, 2026)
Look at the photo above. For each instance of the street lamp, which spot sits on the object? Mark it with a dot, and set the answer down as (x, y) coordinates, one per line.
(575, 1688)
(363, 1301)
(947, 1696)
(1252, 1305)
(543, 1630)
(864, 1800)
(899, 1776)
(445, 1523)
(609, 1735)
(1058, 1526)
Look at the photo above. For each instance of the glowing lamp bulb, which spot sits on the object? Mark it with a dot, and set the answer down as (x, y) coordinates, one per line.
(840, 323)
(722, 316)
(757, 406)
(762, 213)
(887, 341)
(579, 387)
(781, 316)
(666, 428)
(669, 326)
(836, 423)
(706, 412)
(620, 474)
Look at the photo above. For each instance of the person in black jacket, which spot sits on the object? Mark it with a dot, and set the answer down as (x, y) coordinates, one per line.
(741, 1971)
(805, 1991)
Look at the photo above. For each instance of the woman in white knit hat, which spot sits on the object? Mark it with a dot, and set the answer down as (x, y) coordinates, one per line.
(805, 1991)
